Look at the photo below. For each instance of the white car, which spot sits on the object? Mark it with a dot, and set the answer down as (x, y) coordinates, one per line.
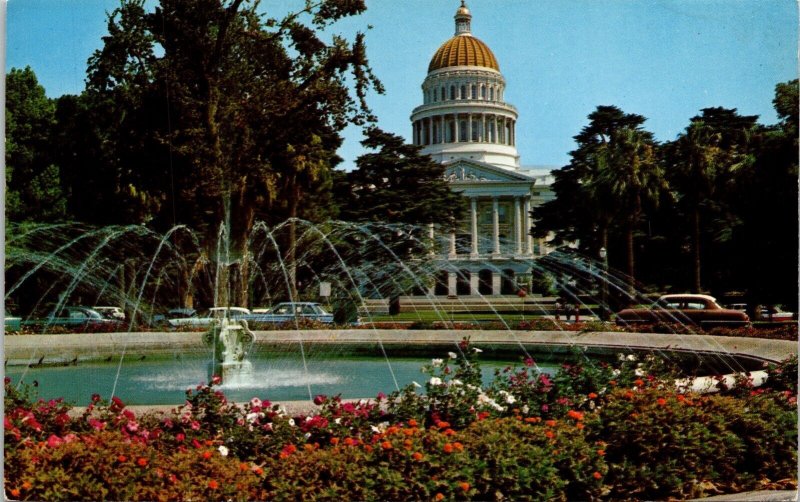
(110, 312)
(205, 319)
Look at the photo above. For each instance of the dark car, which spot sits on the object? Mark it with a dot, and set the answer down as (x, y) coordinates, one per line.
(290, 311)
(81, 319)
(701, 310)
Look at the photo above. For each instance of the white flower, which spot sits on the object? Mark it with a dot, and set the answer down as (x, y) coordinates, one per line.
(631, 357)
(484, 399)
(223, 451)
(616, 372)
(476, 350)
(337, 421)
(291, 422)
(256, 402)
(437, 362)
(435, 381)
(525, 410)
(638, 372)
(456, 381)
(253, 417)
(452, 355)
(307, 435)
(509, 398)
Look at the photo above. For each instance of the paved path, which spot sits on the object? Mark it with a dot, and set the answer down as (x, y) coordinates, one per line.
(26, 349)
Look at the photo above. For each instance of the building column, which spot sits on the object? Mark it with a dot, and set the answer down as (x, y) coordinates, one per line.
(518, 236)
(496, 283)
(455, 128)
(444, 130)
(474, 283)
(483, 128)
(430, 131)
(474, 226)
(469, 128)
(452, 253)
(496, 225)
(452, 289)
(432, 239)
(527, 228)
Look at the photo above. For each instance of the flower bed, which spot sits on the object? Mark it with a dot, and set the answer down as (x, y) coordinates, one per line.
(603, 432)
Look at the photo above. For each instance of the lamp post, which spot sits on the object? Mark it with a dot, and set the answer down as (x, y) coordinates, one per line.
(604, 285)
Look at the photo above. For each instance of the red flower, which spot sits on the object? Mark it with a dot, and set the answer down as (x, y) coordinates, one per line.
(661, 401)
(122, 458)
(597, 475)
(448, 448)
(417, 456)
(334, 441)
(206, 455)
(213, 484)
(386, 445)
(464, 486)
(142, 462)
(592, 395)
(439, 496)
(318, 400)
(412, 423)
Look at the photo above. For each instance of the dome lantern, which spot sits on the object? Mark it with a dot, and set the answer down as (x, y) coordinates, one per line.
(463, 18)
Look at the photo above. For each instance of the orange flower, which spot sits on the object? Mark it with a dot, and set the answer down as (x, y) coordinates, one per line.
(122, 458)
(308, 447)
(638, 382)
(681, 398)
(213, 484)
(579, 426)
(208, 442)
(449, 432)
(442, 425)
(392, 430)
(407, 444)
(550, 423)
(575, 415)
(26, 485)
(417, 456)
(601, 452)
(334, 441)
(206, 455)
(448, 448)
(259, 471)
(412, 422)
(531, 420)
(439, 496)
(464, 486)
(142, 462)
(458, 446)
(367, 448)
(244, 467)
(386, 445)
(592, 395)
(14, 492)
(409, 432)
(612, 383)
(597, 475)
(628, 395)
(549, 434)
(349, 441)
(661, 401)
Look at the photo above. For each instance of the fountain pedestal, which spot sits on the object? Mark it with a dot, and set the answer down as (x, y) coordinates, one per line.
(231, 341)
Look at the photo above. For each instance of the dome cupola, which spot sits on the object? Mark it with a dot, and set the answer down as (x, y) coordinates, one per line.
(463, 49)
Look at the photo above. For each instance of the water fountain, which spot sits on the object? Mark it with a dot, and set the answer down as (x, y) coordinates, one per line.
(53, 266)
(230, 341)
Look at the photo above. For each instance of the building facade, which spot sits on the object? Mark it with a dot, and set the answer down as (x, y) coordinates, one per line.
(465, 123)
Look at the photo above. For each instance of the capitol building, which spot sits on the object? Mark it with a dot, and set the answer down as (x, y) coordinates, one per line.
(465, 123)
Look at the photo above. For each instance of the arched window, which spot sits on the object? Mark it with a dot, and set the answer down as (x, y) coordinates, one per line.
(444, 94)
(463, 92)
(452, 92)
(474, 92)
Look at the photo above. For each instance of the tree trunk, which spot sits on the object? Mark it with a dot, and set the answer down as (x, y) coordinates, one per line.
(696, 287)
(630, 258)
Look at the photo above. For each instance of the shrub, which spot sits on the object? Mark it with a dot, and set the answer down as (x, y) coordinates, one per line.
(662, 444)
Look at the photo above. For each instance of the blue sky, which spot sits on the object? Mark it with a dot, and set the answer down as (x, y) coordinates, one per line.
(664, 59)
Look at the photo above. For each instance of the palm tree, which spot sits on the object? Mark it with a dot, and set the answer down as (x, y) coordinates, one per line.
(702, 161)
(628, 178)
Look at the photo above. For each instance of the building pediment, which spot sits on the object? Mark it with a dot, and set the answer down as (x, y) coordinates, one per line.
(472, 171)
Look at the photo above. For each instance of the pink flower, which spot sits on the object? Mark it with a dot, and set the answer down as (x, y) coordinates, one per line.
(97, 424)
(216, 380)
(195, 425)
(54, 441)
(179, 437)
(318, 400)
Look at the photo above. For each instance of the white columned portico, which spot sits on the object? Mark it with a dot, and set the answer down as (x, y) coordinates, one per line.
(451, 284)
(496, 283)
(474, 283)
(517, 226)
(527, 228)
(474, 226)
(496, 225)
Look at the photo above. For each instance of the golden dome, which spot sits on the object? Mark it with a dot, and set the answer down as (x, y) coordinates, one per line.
(463, 50)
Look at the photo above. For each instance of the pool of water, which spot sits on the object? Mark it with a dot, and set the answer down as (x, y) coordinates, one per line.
(275, 377)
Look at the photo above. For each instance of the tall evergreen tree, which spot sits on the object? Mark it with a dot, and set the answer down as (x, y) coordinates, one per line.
(33, 179)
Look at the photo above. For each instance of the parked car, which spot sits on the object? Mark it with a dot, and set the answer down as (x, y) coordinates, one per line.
(79, 319)
(775, 314)
(290, 311)
(702, 310)
(205, 319)
(12, 323)
(110, 312)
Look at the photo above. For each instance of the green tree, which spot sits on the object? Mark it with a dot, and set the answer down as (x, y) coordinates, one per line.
(33, 180)
(252, 108)
(702, 163)
(611, 180)
(387, 183)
